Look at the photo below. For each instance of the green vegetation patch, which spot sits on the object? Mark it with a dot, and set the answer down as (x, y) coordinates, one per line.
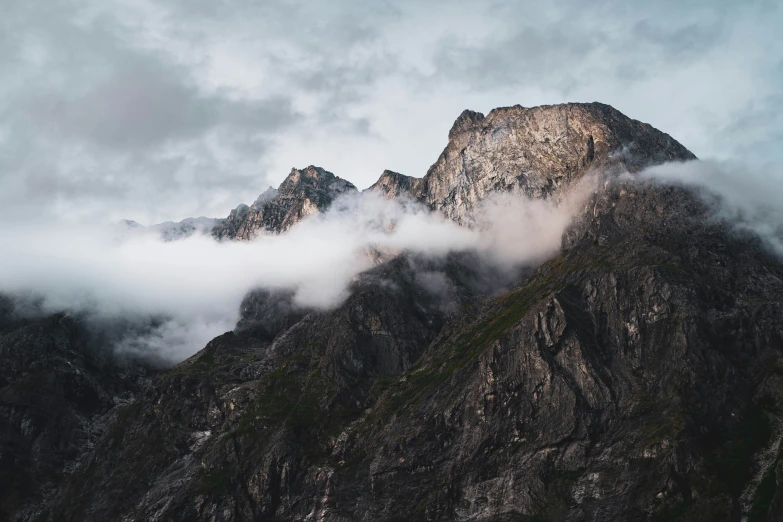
(293, 397)
(459, 351)
(215, 482)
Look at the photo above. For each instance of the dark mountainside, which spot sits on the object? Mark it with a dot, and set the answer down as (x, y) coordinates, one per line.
(59, 388)
(638, 375)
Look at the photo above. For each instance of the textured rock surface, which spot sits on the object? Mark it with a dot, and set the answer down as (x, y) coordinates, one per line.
(395, 185)
(58, 389)
(537, 150)
(303, 193)
(636, 376)
(315, 375)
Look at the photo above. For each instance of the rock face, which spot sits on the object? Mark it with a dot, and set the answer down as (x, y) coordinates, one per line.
(636, 376)
(394, 185)
(303, 193)
(58, 389)
(536, 150)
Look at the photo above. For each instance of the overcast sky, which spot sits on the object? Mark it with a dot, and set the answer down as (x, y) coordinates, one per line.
(156, 110)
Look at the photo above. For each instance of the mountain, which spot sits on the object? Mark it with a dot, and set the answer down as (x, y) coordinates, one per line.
(637, 375)
(538, 150)
(59, 388)
(302, 194)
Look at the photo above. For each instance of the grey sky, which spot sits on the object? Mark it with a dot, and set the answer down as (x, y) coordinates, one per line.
(154, 110)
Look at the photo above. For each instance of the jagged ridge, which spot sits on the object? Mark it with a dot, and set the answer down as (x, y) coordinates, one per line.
(538, 150)
(302, 194)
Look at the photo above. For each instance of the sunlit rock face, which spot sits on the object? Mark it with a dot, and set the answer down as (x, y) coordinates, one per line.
(537, 150)
(303, 193)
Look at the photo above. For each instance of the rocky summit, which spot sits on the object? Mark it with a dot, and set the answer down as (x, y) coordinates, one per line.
(302, 194)
(637, 375)
(539, 150)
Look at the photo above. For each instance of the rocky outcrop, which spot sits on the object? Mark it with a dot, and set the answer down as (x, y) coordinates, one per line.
(394, 185)
(537, 150)
(303, 193)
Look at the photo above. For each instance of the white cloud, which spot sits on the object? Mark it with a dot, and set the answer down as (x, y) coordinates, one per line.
(198, 283)
(156, 110)
(748, 197)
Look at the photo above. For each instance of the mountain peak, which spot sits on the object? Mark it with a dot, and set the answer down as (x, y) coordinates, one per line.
(267, 195)
(465, 121)
(310, 174)
(303, 193)
(536, 150)
(393, 184)
(130, 223)
(315, 177)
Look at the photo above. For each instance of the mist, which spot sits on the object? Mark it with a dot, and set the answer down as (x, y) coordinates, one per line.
(172, 297)
(194, 286)
(749, 198)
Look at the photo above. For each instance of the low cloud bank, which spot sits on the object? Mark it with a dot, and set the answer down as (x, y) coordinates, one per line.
(196, 284)
(171, 297)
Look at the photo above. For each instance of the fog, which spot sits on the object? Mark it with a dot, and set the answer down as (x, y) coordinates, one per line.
(195, 285)
(747, 197)
(172, 297)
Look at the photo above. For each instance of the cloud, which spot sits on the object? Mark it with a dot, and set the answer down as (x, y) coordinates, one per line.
(511, 222)
(547, 48)
(100, 124)
(158, 111)
(147, 106)
(756, 130)
(194, 287)
(745, 196)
